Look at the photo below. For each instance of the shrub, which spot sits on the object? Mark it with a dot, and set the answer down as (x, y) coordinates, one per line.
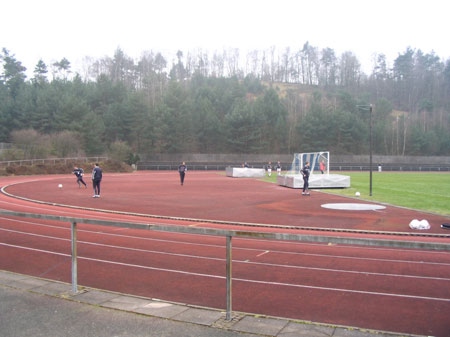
(63, 168)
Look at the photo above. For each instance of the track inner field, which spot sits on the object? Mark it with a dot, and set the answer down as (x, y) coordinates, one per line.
(377, 288)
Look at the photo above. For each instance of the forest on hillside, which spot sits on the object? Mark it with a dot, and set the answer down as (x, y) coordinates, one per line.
(293, 101)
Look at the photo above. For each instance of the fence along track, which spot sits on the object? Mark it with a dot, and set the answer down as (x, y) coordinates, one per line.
(249, 234)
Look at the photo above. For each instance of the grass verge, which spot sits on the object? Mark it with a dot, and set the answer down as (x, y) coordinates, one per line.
(425, 191)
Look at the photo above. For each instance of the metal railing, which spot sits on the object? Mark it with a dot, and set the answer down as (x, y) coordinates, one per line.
(229, 234)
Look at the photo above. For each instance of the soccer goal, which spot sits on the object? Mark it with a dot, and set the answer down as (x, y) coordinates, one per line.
(320, 176)
(318, 161)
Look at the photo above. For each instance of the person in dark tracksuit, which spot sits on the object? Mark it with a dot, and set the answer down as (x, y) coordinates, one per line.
(97, 175)
(305, 172)
(269, 169)
(182, 170)
(278, 167)
(79, 172)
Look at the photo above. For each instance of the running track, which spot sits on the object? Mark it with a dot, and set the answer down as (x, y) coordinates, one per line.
(398, 290)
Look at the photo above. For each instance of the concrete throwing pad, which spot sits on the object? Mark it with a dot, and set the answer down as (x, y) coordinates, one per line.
(354, 207)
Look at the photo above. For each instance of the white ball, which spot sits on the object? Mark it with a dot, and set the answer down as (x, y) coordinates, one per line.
(357, 194)
(60, 185)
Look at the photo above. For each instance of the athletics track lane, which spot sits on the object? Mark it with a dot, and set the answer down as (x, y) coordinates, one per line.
(383, 289)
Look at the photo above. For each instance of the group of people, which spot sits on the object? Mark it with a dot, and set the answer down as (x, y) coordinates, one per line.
(268, 167)
(305, 171)
(97, 176)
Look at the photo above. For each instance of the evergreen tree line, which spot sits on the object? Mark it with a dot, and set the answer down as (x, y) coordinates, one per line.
(302, 101)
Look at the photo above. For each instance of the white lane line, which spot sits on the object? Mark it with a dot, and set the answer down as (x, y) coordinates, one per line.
(254, 249)
(344, 290)
(246, 261)
(264, 264)
(240, 279)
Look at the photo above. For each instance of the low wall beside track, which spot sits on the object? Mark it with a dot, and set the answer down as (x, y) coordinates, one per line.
(220, 162)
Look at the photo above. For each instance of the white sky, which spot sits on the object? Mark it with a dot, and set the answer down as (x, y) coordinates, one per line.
(53, 29)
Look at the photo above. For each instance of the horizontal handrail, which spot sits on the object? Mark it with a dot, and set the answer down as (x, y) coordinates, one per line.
(243, 234)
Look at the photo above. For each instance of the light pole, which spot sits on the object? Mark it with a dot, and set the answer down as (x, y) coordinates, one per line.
(370, 150)
(365, 107)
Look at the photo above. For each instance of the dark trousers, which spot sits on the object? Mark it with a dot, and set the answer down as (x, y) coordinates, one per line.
(96, 185)
(182, 177)
(305, 183)
(81, 181)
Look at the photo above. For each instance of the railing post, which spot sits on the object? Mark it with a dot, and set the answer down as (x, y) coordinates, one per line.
(74, 258)
(229, 279)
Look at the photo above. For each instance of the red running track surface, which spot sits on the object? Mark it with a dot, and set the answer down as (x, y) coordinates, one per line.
(398, 290)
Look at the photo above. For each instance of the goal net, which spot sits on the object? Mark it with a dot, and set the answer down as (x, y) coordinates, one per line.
(318, 161)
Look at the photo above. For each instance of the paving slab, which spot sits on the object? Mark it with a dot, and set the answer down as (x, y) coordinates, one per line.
(161, 309)
(307, 330)
(263, 326)
(198, 316)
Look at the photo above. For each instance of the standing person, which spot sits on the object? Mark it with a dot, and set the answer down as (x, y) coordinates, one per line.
(305, 172)
(182, 170)
(278, 166)
(97, 175)
(269, 168)
(79, 172)
(322, 166)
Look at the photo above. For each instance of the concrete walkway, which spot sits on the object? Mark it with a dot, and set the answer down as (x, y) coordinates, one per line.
(31, 306)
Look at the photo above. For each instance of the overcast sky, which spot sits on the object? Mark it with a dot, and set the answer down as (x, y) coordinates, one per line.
(53, 29)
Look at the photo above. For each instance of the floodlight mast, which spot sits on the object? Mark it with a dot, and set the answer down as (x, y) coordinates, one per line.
(364, 107)
(370, 151)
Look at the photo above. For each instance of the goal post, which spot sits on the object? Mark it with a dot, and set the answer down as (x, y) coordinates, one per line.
(318, 161)
(320, 172)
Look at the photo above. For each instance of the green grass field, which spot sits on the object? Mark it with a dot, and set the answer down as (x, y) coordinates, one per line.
(423, 191)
